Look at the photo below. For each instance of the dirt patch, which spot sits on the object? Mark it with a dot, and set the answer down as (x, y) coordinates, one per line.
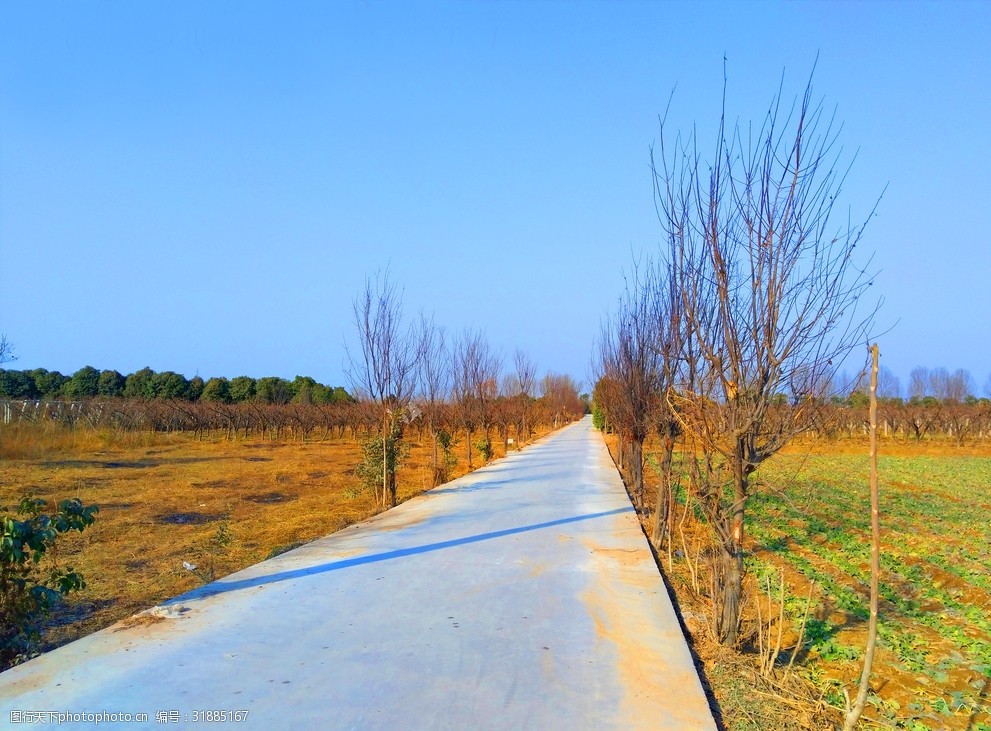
(270, 498)
(648, 677)
(210, 483)
(71, 611)
(72, 464)
(955, 586)
(187, 518)
(139, 620)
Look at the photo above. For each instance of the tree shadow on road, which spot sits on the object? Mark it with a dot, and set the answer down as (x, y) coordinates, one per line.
(222, 586)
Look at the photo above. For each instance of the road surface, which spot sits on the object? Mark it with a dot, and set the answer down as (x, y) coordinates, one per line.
(522, 596)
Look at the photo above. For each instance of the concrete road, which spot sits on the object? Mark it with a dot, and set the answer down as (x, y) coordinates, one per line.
(522, 596)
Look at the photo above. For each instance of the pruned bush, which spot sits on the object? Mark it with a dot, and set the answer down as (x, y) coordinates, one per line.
(369, 470)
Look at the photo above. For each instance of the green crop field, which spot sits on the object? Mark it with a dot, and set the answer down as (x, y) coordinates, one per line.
(811, 519)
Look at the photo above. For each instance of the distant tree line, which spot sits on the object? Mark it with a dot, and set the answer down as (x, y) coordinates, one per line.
(925, 384)
(511, 416)
(145, 384)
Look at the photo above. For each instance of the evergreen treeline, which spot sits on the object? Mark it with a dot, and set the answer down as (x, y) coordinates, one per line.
(88, 382)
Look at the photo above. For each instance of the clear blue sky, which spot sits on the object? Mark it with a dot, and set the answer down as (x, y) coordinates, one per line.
(203, 187)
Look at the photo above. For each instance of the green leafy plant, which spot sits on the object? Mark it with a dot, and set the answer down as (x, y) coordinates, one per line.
(29, 588)
(447, 461)
(484, 448)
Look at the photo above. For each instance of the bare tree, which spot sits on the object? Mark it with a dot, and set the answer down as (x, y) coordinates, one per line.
(474, 385)
(631, 350)
(672, 350)
(919, 383)
(526, 380)
(488, 392)
(462, 395)
(769, 294)
(384, 370)
(561, 399)
(434, 377)
(939, 384)
(888, 385)
(959, 386)
(956, 391)
(6, 350)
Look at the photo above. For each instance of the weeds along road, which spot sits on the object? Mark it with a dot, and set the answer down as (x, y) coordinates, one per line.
(523, 595)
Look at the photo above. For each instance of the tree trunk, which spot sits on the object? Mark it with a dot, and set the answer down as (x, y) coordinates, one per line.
(433, 435)
(732, 592)
(665, 497)
(733, 553)
(636, 472)
(392, 486)
(468, 440)
(385, 468)
(487, 443)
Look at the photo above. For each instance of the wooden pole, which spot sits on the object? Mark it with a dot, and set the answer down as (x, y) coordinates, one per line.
(853, 714)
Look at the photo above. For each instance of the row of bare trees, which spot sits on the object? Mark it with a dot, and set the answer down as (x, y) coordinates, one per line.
(276, 422)
(754, 294)
(409, 370)
(916, 420)
(942, 385)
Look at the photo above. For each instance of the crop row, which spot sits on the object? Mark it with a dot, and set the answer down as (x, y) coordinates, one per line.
(935, 567)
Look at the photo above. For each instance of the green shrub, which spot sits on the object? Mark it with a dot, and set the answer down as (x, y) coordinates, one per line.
(484, 448)
(447, 459)
(369, 470)
(27, 592)
(598, 417)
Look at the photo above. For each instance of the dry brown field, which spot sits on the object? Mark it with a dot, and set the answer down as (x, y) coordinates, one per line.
(218, 504)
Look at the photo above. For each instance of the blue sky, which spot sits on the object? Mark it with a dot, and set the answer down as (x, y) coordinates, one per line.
(203, 187)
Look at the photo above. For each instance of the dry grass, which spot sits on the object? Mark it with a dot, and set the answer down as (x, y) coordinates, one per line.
(168, 498)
